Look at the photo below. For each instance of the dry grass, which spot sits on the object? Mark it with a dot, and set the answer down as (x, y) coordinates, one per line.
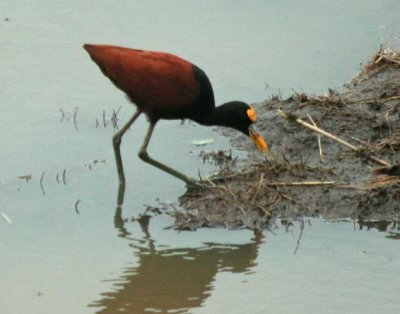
(392, 142)
(312, 174)
(383, 58)
(382, 182)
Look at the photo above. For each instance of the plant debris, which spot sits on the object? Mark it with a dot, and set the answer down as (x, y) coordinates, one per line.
(26, 177)
(321, 168)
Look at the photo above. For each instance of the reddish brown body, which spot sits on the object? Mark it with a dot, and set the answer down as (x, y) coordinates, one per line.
(161, 84)
(164, 86)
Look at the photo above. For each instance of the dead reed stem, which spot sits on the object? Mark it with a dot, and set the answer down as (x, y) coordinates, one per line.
(41, 183)
(321, 155)
(333, 137)
(301, 183)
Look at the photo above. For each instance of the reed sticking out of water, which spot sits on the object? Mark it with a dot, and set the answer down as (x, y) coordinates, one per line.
(75, 114)
(76, 206)
(113, 119)
(63, 176)
(41, 183)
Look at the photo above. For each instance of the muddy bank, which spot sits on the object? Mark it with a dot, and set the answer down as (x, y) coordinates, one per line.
(308, 174)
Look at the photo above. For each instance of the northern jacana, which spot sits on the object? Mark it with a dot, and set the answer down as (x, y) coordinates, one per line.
(164, 86)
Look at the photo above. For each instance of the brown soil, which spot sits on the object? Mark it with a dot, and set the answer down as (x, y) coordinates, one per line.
(302, 178)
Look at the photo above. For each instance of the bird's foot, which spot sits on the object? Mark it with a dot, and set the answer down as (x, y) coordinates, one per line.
(192, 183)
(219, 179)
(210, 182)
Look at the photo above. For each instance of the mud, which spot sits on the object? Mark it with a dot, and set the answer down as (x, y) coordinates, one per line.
(307, 174)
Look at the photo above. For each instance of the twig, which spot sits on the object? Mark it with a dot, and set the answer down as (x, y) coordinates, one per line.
(317, 129)
(388, 122)
(26, 177)
(63, 176)
(333, 137)
(199, 174)
(230, 176)
(75, 113)
(265, 211)
(374, 99)
(242, 210)
(300, 236)
(62, 115)
(41, 183)
(392, 98)
(114, 118)
(104, 119)
(381, 182)
(174, 208)
(76, 206)
(321, 155)
(118, 110)
(301, 183)
(364, 143)
(261, 181)
(6, 218)
(211, 183)
(276, 199)
(259, 186)
(313, 183)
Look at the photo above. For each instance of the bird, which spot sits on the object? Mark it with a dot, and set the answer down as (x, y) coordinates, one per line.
(165, 86)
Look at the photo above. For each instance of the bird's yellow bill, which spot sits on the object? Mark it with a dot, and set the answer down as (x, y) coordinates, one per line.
(258, 140)
(251, 113)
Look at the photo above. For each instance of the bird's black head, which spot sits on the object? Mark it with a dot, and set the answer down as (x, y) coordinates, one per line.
(234, 114)
(240, 116)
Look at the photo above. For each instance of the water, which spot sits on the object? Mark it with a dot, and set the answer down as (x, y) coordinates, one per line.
(61, 250)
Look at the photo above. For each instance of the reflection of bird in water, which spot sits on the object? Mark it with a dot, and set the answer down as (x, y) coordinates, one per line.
(164, 86)
(174, 279)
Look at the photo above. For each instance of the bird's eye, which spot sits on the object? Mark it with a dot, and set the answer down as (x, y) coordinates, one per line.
(251, 113)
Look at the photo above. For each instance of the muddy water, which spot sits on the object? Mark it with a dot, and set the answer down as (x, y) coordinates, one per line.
(62, 251)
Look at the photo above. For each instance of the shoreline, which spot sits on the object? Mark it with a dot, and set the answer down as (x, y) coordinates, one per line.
(308, 174)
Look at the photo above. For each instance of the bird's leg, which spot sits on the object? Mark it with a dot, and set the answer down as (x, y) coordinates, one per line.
(146, 158)
(117, 143)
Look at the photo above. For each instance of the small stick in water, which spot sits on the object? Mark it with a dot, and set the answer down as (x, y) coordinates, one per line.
(41, 183)
(75, 114)
(76, 206)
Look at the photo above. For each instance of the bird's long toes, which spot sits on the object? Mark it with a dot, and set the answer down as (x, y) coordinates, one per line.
(192, 183)
(211, 182)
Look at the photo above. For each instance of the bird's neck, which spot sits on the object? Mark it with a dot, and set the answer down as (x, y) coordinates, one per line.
(224, 115)
(221, 116)
(232, 114)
